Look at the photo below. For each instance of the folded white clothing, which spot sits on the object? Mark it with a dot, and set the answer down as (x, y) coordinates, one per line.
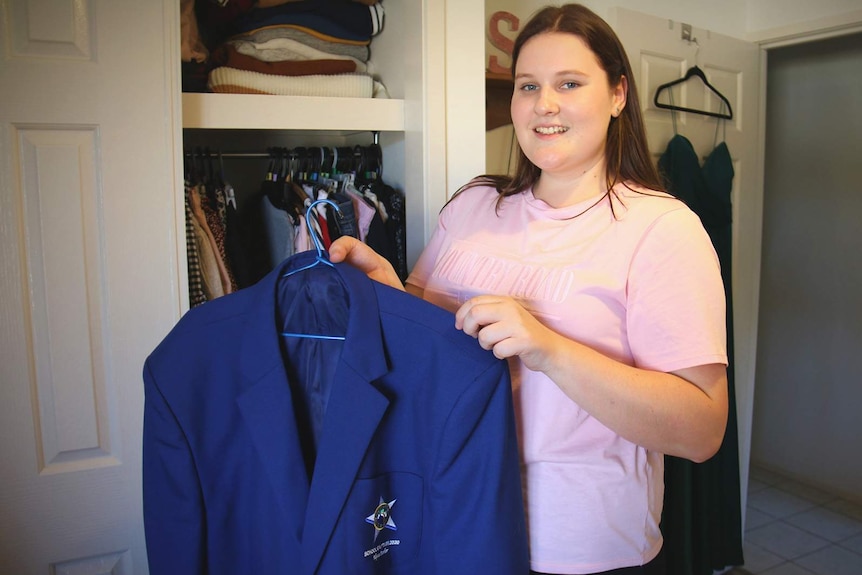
(236, 81)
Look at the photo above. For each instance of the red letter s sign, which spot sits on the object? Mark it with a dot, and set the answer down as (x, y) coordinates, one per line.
(499, 41)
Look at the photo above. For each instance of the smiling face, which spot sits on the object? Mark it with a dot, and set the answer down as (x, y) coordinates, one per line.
(562, 106)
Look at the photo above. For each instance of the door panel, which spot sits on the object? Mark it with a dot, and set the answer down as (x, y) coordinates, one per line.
(65, 280)
(88, 272)
(659, 54)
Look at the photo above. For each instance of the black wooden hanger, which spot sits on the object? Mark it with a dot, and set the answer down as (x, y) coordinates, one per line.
(694, 71)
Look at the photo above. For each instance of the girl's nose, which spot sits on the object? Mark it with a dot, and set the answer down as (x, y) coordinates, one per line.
(546, 102)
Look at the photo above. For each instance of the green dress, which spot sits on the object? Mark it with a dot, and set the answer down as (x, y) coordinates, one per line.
(702, 519)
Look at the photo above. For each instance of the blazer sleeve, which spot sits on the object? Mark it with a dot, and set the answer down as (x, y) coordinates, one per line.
(477, 484)
(173, 503)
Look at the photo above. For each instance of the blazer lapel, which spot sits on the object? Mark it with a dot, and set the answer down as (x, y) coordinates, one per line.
(353, 414)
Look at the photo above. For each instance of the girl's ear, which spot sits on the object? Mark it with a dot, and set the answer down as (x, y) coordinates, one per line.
(619, 94)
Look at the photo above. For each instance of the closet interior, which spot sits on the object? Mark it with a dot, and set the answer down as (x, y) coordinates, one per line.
(240, 138)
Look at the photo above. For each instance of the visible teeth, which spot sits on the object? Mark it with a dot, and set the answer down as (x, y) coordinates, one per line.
(551, 129)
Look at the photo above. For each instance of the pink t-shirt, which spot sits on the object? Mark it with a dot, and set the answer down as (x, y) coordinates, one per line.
(644, 288)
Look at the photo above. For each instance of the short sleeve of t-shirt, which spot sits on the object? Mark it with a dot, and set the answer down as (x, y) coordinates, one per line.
(675, 313)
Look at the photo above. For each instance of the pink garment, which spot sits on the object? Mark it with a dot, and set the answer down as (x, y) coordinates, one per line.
(645, 289)
(364, 212)
(302, 241)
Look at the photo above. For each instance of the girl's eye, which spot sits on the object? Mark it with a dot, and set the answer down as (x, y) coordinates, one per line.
(570, 85)
(528, 87)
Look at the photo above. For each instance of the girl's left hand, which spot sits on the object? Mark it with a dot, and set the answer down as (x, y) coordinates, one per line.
(503, 325)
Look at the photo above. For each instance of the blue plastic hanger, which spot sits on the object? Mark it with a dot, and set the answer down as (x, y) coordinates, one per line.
(320, 258)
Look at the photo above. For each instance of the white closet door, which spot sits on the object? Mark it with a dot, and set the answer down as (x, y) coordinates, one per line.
(89, 278)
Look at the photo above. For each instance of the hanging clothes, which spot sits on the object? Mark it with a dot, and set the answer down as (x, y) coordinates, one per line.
(270, 227)
(390, 451)
(279, 230)
(702, 517)
(211, 267)
(214, 206)
(387, 232)
(234, 237)
(193, 259)
(210, 243)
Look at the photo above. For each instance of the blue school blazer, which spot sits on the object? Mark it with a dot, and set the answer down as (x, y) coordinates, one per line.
(392, 451)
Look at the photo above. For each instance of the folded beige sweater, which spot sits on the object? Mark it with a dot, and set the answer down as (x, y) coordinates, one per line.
(235, 81)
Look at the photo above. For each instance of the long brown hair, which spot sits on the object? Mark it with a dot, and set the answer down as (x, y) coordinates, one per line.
(627, 154)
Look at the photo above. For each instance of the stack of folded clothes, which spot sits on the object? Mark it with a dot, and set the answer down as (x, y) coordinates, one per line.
(299, 48)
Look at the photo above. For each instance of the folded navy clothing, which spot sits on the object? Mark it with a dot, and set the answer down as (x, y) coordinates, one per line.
(342, 19)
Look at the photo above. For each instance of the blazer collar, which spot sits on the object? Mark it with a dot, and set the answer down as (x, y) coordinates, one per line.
(353, 413)
(363, 348)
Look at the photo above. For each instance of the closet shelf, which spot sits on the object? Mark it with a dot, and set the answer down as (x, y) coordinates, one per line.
(262, 112)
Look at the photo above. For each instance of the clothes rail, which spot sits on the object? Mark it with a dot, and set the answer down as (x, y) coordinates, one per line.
(250, 155)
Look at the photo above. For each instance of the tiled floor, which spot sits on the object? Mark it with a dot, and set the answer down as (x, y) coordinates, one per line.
(794, 529)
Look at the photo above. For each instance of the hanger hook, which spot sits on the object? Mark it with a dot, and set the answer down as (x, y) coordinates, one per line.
(318, 243)
(687, 35)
